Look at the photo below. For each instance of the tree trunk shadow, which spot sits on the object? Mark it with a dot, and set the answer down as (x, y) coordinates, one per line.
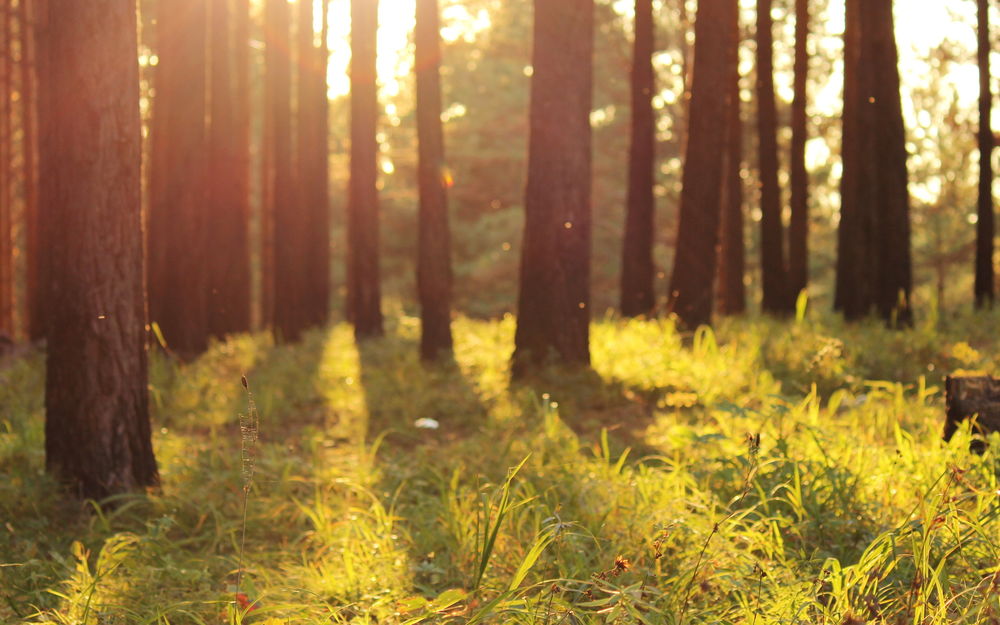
(414, 402)
(589, 404)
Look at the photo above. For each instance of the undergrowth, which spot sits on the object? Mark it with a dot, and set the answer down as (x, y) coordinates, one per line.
(769, 472)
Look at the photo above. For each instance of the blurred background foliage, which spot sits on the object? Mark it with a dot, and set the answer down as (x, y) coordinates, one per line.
(486, 80)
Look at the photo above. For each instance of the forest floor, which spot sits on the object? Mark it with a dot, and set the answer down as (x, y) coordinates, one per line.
(643, 495)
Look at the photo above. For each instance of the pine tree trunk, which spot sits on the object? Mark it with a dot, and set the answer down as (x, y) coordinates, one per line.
(434, 245)
(317, 186)
(177, 233)
(33, 312)
(288, 235)
(874, 267)
(732, 248)
(228, 221)
(241, 119)
(692, 282)
(637, 296)
(985, 230)
(97, 431)
(852, 286)
(685, 26)
(887, 151)
(772, 238)
(6, 209)
(313, 271)
(798, 230)
(364, 291)
(286, 215)
(272, 59)
(553, 319)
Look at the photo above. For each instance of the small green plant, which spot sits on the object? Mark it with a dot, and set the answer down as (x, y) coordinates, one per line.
(753, 449)
(492, 512)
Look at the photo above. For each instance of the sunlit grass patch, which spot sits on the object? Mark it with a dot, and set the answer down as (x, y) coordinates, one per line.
(383, 489)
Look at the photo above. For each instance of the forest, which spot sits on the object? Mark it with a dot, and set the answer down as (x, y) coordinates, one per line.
(548, 312)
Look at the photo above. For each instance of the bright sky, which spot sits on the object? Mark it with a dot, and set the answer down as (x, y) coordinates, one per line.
(396, 20)
(920, 26)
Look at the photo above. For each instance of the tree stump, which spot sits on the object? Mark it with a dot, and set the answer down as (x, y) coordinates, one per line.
(972, 397)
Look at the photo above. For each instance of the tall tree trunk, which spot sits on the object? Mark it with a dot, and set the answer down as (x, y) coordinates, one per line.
(318, 208)
(274, 39)
(798, 230)
(241, 120)
(772, 237)
(291, 245)
(851, 287)
(33, 313)
(554, 300)
(691, 283)
(887, 142)
(364, 292)
(687, 67)
(6, 209)
(286, 218)
(985, 229)
(97, 431)
(228, 220)
(434, 246)
(304, 303)
(875, 214)
(637, 296)
(177, 231)
(732, 248)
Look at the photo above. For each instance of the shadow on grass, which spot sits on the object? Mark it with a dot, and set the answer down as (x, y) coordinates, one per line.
(589, 404)
(413, 402)
(285, 387)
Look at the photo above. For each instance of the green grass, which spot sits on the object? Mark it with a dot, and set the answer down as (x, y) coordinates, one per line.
(634, 493)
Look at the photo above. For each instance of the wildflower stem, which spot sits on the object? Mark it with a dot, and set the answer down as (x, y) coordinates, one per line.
(243, 540)
(248, 456)
(753, 447)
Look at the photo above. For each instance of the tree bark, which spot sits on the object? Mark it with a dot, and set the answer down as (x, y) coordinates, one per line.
(692, 281)
(306, 305)
(363, 281)
(886, 150)
(985, 229)
(732, 248)
(6, 210)
(637, 296)
(317, 186)
(227, 218)
(97, 431)
(877, 276)
(798, 228)
(850, 288)
(272, 59)
(553, 320)
(242, 107)
(434, 275)
(284, 212)
(687, 67)
(177, 233)
(33, 313)
(772, 236)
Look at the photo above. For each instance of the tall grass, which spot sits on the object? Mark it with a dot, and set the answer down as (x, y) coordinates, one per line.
(625, 495)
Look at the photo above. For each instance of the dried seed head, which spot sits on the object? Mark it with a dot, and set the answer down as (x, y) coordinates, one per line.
(249, 432)
(621, 565)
